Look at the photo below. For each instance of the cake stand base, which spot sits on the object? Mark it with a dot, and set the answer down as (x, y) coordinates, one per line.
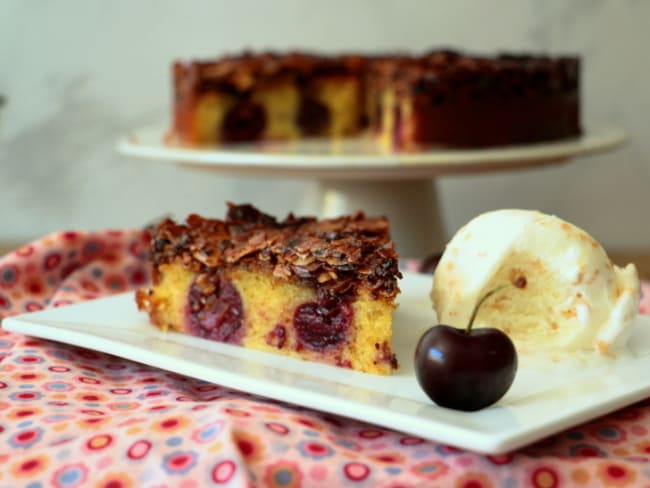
(411, 207)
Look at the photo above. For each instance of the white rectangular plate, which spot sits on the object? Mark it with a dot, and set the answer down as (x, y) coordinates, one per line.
(547, 396)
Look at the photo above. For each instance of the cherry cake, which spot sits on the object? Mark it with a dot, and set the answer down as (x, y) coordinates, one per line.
(440, 98)
(318, 290)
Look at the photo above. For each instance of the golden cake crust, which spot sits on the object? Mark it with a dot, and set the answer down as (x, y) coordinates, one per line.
(241, 72)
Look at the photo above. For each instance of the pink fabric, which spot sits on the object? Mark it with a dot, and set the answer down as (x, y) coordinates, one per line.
(73, 417)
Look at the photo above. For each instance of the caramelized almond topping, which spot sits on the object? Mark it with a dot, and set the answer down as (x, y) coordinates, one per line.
(336, 254)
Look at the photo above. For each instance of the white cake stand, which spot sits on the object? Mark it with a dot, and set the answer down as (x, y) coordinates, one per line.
(360, 174)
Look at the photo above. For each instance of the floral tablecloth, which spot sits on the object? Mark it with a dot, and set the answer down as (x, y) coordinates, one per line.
(73, 417)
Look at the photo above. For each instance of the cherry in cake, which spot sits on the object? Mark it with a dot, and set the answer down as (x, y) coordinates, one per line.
(319, 290)
(245, 121)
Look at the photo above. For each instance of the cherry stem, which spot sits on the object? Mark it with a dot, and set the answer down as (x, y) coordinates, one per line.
(480, 302)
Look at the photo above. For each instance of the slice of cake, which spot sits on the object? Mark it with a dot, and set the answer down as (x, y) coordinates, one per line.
(446, 98)
(318, 290)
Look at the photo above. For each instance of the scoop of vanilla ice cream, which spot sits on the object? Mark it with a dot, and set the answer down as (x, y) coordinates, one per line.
(574, 298)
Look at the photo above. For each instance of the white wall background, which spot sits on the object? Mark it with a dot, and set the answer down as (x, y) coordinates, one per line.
(78, 74)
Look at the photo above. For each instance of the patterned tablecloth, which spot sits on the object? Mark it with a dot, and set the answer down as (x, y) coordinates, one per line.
(73, 417)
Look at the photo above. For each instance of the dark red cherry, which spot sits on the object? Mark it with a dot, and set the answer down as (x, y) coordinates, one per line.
(217, 314)
(313, 117)
(323, 324)
(467, 369)
(245, 121)
(277, 337)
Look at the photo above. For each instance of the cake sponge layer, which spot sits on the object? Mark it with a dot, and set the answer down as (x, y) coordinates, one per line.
(268, 317)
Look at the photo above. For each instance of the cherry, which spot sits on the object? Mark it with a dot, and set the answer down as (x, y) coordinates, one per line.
(313, 117)
(277, 337)
(217, 315)
(244, 122)
(466, 369)
(324, 324)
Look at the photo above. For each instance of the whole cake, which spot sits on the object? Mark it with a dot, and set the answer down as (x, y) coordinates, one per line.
(319, 290)
(442, 98)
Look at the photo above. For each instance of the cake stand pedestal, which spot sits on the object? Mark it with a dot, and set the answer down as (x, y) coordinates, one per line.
(359, 174)
(411, 206)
